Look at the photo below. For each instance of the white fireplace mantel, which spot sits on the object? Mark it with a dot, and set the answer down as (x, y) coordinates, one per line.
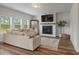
(53, 24)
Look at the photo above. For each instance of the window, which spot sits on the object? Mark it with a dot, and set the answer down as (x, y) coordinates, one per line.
(24, 23)
(4, 23)
(8, 23)
(17, 23)
(20, 23)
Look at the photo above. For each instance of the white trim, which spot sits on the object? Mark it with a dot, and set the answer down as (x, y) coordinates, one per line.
(11, 23)
(21, 23)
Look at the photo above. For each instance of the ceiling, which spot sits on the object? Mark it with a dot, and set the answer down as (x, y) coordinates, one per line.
(44, 8)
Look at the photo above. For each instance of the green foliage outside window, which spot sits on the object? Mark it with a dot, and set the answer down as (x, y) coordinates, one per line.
(4, 23)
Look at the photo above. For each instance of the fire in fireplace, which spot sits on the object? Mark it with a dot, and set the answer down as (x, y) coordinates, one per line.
(47, 30)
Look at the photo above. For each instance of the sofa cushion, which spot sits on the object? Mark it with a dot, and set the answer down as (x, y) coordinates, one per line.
(31, 32)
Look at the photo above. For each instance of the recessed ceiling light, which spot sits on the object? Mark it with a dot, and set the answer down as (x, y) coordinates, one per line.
(35, 5)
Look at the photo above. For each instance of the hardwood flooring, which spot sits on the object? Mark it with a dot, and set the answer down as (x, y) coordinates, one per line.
(6, 49)
(65, 48)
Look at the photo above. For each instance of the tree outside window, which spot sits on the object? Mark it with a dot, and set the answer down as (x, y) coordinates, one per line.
(4, 23)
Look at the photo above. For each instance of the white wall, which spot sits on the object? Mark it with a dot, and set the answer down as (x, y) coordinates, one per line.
(4, 11)
(78, 28)
(63, 16)
(74, 22)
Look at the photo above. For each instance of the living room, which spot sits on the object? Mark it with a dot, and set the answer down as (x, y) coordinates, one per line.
(35, 27)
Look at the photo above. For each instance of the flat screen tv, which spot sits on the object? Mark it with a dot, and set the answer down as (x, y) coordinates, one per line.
(47, 18)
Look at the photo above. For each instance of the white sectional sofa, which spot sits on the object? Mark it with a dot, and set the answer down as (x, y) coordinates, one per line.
(23, 40)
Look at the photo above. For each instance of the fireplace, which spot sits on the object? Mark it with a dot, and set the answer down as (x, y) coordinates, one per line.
(47, 30)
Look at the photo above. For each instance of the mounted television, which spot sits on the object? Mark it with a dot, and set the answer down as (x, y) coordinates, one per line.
(47, 18)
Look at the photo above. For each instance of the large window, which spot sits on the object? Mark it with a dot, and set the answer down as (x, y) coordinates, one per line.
(7, 23)
(20, 23)
(24, 23)
(4, 23)
(17, 23)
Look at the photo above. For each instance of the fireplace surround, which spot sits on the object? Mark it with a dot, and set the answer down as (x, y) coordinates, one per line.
(47, 27)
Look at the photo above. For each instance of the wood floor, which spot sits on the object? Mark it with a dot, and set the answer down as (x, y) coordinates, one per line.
(65, 48)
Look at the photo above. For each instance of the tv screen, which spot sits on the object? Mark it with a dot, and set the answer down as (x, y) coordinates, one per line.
(47, 18)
